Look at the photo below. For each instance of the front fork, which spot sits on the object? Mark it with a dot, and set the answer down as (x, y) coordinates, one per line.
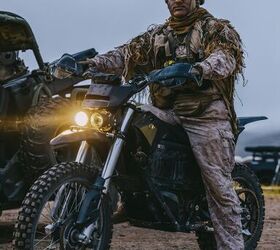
(115, 151)
(103, 182)
(100, 186)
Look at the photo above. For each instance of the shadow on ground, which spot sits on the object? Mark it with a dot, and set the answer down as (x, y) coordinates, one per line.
(6, 235)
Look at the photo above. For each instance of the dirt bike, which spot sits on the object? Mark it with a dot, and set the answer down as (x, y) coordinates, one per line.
(28, 110)
(147, 157)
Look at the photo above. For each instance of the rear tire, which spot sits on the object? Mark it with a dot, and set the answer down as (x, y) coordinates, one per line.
(246, 178)
(41, 195)
(41, 124)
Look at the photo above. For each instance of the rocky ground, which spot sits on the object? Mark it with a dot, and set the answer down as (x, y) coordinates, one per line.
(127, 237)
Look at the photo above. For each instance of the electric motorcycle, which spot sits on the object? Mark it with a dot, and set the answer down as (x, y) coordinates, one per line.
(147, 157)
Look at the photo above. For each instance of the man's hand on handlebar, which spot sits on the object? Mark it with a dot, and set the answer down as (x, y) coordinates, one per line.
(176, 75)
(90, 72)
(77, 65)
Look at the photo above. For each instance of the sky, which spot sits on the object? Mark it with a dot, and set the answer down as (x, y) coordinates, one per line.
(69, 26)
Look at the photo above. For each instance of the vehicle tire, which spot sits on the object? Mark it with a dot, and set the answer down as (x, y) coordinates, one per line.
(41, 124)
(246, 183)
(33, 215)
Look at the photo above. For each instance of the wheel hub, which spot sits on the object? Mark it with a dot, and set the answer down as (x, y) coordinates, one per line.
(248, 201)
(69, 236)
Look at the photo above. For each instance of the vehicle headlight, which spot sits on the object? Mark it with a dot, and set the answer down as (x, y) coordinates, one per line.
(81, 119)
(101, 120)
(96, 120)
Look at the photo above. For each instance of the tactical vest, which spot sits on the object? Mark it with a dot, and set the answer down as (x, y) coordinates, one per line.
(189, 100)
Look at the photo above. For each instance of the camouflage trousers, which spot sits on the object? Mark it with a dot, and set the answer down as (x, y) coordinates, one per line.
(213, 146)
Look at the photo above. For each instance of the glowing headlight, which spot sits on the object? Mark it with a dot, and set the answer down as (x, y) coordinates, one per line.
(102, 120)
(96, 120)
(81, 119)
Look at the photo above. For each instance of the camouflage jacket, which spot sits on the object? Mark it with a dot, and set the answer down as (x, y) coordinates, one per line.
(211, 44)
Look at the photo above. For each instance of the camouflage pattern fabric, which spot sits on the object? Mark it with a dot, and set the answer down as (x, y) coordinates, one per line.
(213, 146)
(211, 44)
(207, 114)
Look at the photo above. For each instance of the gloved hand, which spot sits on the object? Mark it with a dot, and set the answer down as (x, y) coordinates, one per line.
(176, 74)
(90, 72)
(66, 67)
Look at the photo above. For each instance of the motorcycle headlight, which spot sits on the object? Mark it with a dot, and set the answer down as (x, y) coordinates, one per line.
(101, 120)
(81, 119)
(96, 120)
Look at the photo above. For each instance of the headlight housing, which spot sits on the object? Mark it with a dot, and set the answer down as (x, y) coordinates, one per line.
(101, 120)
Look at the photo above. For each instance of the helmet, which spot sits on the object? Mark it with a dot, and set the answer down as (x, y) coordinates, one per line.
(199, 2)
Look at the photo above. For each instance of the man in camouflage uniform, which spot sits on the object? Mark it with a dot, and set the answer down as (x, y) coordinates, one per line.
(206, 112)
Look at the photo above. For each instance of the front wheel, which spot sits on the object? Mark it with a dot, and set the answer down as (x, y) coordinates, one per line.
(249, 191)
(46, 222)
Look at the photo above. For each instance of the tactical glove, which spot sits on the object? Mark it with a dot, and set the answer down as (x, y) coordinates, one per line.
(176, 75)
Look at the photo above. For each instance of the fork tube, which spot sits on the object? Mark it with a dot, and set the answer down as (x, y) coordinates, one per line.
(115, 151)
(108, 170)
(82, 153)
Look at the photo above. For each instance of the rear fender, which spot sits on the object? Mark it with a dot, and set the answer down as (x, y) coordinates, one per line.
(242, 121)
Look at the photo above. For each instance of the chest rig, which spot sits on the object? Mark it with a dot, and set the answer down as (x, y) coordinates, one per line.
(171, 48)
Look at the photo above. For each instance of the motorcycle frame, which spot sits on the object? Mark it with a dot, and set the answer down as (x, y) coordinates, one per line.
(88, 213)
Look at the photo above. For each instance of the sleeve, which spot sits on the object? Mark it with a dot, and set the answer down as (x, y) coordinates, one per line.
(224, 56)
(218, 65)
(111, 62)
(130, 58)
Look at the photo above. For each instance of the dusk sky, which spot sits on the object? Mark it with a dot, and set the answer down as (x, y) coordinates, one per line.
(70, 26)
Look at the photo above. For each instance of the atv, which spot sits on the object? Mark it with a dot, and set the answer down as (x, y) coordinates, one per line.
(34, 107)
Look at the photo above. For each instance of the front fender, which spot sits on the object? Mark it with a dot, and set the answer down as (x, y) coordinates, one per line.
(69, 137)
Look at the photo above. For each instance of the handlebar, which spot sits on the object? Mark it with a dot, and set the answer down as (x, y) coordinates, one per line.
(68, 64)
(172, 76)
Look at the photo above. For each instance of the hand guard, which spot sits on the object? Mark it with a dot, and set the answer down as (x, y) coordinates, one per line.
(175, 75)
(66, 67)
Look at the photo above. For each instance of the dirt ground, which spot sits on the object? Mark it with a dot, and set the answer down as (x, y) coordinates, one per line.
(127, 237)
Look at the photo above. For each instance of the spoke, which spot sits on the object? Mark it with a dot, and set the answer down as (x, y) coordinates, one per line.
(71, 210)
(39, 232)
(60, 208)
(47, 218)
(49, 207)
(77, 205)
(43, 239)
(81, 201)
(53, 243)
